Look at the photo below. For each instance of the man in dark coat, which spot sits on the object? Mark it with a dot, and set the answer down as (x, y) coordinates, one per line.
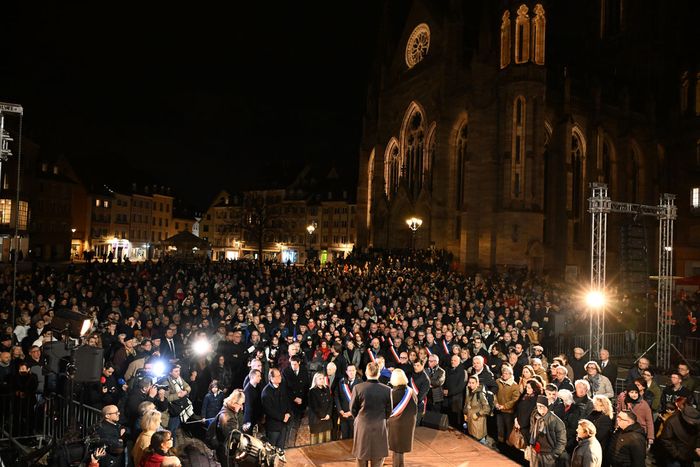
(628, 446)
(480, 370)
(608, 367)
(371, 406)
(111, 432)
(421, 385)
(275, 403)
(371, 353)
(296, 381)
(547, 435)
(253, 410)
(342, 400)
(437, 379)
(679, 437)
(453, 390)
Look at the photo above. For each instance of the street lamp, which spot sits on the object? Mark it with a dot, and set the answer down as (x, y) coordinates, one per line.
(414, 224)
(311, 228)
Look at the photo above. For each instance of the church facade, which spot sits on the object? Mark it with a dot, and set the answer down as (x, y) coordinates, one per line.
(489, 120)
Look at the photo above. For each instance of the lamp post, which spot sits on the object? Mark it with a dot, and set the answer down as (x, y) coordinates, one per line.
(311, 228)
(414, 224)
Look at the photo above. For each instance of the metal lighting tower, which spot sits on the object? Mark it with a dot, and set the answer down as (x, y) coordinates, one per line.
(599, 205)
(12, 109)
(667, 213)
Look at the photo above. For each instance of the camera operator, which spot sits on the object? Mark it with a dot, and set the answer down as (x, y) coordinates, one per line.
(111, 433)
(145, 392)
(107, 391)
(180, 407)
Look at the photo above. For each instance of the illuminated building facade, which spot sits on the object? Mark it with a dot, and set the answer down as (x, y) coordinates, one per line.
(489, 120)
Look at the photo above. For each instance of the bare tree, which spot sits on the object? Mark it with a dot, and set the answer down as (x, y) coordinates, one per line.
(257, 220)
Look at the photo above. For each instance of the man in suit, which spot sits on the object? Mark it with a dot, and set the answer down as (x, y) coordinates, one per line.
(296, 381)
(420, 383)
(342, 400)
(371, 353)
(371, 406)
(608, 368)
(252, 410)
(275, 403)
(171, 346)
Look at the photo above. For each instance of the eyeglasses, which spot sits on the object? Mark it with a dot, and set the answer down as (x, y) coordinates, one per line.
(622, 419)
(114, 413)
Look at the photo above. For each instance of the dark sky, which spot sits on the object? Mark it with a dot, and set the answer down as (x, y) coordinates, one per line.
(201, 97)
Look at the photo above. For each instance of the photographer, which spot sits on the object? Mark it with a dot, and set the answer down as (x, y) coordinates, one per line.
(111, 432)
(180, 408)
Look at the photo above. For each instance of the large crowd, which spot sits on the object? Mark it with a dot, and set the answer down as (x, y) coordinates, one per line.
(266, 349)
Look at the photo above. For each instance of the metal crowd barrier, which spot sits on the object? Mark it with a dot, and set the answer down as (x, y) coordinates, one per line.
(43, 418)
(631, 344)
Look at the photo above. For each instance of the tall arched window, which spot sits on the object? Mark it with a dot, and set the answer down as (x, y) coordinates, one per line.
(414, 147)
(505, 39)
(429, 158)
(392, 168)
(517, 163)
(539, 26)
(578, 157)
(684, 92)
(522, 36)
(461, 160)
(370, 178)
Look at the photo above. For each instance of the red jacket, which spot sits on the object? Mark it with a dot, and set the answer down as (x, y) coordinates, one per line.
(152, 460)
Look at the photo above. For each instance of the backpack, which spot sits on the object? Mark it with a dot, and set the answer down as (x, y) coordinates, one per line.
(211, 437)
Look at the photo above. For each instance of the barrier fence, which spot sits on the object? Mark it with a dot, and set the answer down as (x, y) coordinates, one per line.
(631, 344)
(42, 419)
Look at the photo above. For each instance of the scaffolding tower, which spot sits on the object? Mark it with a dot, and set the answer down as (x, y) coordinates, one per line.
(600, 205)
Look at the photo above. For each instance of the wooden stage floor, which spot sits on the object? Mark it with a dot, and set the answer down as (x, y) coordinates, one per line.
(430, 448)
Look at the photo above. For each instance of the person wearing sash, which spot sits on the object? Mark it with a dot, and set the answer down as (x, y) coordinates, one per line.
(402, 423)
(371, 406)
(371, 353)
(420, 383)
(342, 400)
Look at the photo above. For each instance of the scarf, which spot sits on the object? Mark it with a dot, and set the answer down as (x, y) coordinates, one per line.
(537, 428)
(595, 383)
(508, 382)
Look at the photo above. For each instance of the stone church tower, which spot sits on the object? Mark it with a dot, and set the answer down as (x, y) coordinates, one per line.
(489, 119)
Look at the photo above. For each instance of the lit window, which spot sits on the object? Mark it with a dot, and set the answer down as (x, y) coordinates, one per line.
(695, 198)
(106, 203)
(522, 35)
(418, 45)
(505, 39)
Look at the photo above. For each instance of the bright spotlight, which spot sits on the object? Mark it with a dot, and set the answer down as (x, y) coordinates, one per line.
(595, 299)
(201, 347)
(158, 368)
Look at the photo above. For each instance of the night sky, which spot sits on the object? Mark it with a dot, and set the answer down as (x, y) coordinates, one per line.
(199, 98)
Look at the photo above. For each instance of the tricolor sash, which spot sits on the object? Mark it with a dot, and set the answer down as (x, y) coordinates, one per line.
(445, 347)
(394, 354)
(403, 403)
(371, 356)
(346, 390)
(415, 388)
(427, 349)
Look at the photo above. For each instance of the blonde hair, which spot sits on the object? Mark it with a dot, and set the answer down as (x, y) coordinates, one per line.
(150, 421)
(607, 405)
(317, 376)
(398, 378)
(588, 427)
(236, 397)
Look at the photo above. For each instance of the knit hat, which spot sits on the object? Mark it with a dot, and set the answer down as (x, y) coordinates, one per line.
(632, 387)
(543, 400)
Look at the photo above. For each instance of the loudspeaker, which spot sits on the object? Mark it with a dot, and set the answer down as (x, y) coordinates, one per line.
(88, 364)
(436, 420)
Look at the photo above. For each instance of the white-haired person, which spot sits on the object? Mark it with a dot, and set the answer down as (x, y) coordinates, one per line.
(588, 452)
(150, 423)
(320, 410)
(402, 423)
(599, 383)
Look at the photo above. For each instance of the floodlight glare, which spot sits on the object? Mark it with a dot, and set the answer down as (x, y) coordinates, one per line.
(595, 299)
(201, 347)
(158, 368)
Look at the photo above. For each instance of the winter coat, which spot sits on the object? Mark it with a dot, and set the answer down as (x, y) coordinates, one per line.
(605, 387)
(212, 404)
(320, 405)
(507, 395)
(275, 403)
(523, 411)
(476, 408)
(455, 382)
(604, 427)
(679, 439)
(402, 427)
(371, 406)
(641, 410)
(572, 415)
(551, 439)
(588, 453)
(628, 447)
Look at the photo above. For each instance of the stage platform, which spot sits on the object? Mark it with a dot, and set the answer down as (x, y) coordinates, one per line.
(430, 448)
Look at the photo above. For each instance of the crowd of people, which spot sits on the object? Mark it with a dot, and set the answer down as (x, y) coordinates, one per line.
(263, 349)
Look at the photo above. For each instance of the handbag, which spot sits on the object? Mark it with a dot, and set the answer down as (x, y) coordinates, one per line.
(516, 439)
(177, 406)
